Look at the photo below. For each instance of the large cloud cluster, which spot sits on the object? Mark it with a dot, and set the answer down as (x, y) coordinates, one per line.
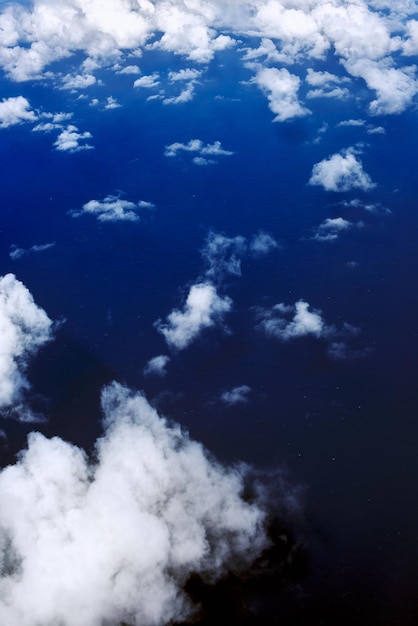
(86, 543)
(372, 45)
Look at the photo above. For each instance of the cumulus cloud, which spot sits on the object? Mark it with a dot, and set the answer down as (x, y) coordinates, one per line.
(157, 365)
(15, 111)
(223, 254)
(200, 149)
(302, 321)
(24, 329)
(148, 82)
(17, 253)
(115, 539)
(236, 395)
(342, 171)
(330, 229)
(69, 140)
(79, 81)
(113, 209)
(203, 308)
(281, 88)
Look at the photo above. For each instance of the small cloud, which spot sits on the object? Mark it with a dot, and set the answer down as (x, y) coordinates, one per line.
(223, 254)
(17, 253)
(69, 140)
(331, 228)
(130, 69)
(78, 81)
(112, 103)
(112, 209)
(186, 74)
(157, 365)
(302, 322)
(237, 395)
(263, 243)
(148, 82)
(203, 308)
(15, 111)
(341, 172)
(197, 146)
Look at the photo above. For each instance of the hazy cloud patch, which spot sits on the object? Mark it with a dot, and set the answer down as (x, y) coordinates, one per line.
(157, 365)
(236, 395)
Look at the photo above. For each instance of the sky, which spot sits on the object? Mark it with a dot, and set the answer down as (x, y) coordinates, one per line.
(208, 312)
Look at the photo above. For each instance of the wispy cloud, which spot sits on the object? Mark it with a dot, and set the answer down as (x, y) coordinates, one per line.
(200, 149)
(236, 395)
(157, 365)
(17, 253)
(113, 209)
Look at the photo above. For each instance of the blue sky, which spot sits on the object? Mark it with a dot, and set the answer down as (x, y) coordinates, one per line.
(208, 235)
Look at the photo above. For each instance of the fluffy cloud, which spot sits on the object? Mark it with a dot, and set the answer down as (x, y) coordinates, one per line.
(157, 365)
(196, 146)
(115, 540)
(203, 309)
(148, 82)
(281, 88)
(69, 140)
(341, 172)
(236, 395)
(113, 209)
(302, 321)
(15, 111)
(24, 328)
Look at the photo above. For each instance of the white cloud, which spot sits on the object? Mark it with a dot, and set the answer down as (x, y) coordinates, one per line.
(336, 92)
(130, 69)
(197, 146)
(148, 82)
(185, 74)
(17, 253)
(236, 395)
(69, 140)
(15, 111)
(157, 365)
(341, 172)
(331, 228)
(115, 540)
(113, 209)
(112, 103)
(281, 88)
(203, 309)
(302, 321)
(24, 328)
(79, 81)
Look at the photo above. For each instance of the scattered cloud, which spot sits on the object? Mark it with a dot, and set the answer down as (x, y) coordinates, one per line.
(223, 254)
(302, 322)
(69, 140)
(115, 540)
(15, 111)
(263, 243)
(341, 172)
(130, 69)
(237, 395)
(157, 365)
(331, 228)
(113, 209)
(202, 151)
(17, 253)
(148, 82)
(24, 329)
(78, 81)
(203, 308)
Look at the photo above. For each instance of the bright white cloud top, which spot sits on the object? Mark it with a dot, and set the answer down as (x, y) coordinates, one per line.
(15, 111)
(86, 543)
(69, 140)
(204, 308)
(113, 209)
(281, 88)
(341, 172)
(304, 322)
(24, 329)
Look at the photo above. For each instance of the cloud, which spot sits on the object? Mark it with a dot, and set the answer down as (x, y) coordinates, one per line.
(113, 209)
(157, 365)
(237, 395)
(17, 253)
(331, 228)
(148, 82)
(24, 329)
(69, 140)
(263, 243)
(15, 111)
(223, 254)
(79, 81)
(214, 149)
(302, 321)
(203, 308)
(341, 172)
(116, 539)
(281, 88)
